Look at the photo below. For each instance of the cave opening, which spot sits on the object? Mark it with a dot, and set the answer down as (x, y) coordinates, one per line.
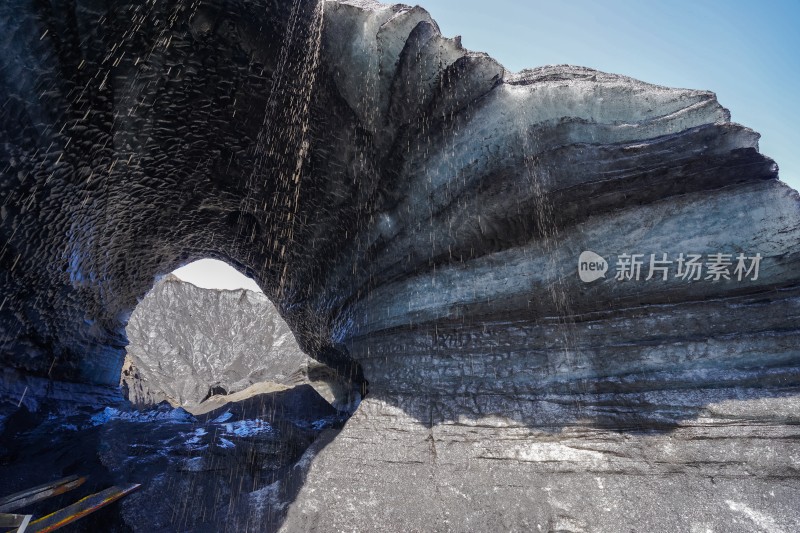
(206, 335)
(223, 405)
(208, 349)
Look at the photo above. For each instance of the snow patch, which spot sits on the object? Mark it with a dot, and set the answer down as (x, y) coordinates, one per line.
(248, 428)
(111, 413)
(267, 498)
(224, 417)
(766, 523)
(323, 423)
(195, 464)
(225, 443)
(195, 439)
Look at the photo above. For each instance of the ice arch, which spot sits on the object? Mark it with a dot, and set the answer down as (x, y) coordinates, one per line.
(371, 175)
(416, 213)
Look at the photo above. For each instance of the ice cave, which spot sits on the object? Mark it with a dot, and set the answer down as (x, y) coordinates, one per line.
(418, 215)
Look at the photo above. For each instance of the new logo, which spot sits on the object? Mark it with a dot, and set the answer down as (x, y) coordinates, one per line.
(591, 266)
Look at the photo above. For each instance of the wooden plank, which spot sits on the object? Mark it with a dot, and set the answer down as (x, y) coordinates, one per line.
(37, 488)
(24, 525)
(14, 520)
(40, 492)
(80, 509)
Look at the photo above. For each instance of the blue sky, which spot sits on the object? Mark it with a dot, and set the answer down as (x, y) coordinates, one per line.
(746, 52)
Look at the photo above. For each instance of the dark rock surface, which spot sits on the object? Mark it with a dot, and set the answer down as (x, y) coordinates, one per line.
(232, 470)
(416, 213)
(186, 342)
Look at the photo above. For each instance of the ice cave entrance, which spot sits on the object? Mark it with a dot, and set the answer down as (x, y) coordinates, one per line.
(206, 335)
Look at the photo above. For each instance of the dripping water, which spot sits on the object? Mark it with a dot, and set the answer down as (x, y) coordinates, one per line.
(282, 145)
(537, 178)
